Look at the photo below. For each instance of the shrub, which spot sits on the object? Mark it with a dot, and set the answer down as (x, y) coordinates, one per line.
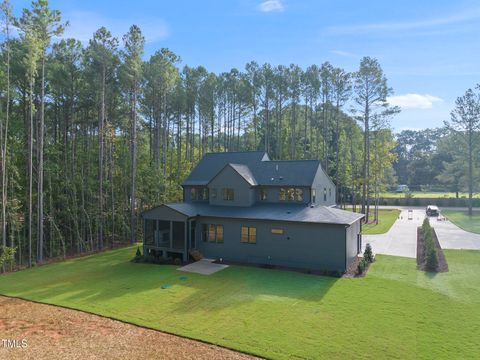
(7, 255)
(368, 254)
(431, 259)
(177, 261)
(362, 265)
(430, 251)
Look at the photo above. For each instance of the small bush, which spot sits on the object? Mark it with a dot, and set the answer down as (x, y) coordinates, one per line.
(177, 261)
(138, 253)
(368, 254)
(362, 265)
(429, 249)
(431, 260)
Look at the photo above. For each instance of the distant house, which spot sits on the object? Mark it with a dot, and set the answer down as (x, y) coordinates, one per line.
(402, 188)
(244, 207)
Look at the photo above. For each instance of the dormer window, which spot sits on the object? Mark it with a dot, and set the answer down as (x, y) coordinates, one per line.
(263, 194)
(228, 194)
(199, 193)
(290, 194)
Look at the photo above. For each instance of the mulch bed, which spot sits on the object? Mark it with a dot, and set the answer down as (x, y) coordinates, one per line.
(442, 262)
(352, 269)
(350, 273)
(52, 332)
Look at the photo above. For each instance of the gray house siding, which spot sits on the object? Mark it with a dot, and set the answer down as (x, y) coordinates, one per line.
(244, 194)
(322, 182)
(311, 246)
(352, 246)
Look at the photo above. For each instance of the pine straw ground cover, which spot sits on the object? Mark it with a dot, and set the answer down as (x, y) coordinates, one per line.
(395, 312)
(57, 333)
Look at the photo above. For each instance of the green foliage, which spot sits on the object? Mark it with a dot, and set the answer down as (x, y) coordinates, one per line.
(130, 292)
(7, 255)
(362, 266)
(368, 254)
(430, 251)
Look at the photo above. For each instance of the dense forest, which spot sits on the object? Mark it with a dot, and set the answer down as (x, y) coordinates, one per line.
(92, 134)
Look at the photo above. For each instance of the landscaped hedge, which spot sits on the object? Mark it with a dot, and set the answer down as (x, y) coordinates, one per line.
(430, 251)
(366, 260)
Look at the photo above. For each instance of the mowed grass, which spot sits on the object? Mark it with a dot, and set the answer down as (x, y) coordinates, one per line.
(395, 312)
(386, 218)
(427, 195)
(463, 220)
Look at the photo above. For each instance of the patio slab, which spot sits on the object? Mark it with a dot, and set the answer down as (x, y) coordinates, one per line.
(203, 267)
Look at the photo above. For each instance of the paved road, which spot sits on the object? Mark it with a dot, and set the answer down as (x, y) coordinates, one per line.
(401, 239)
(451, 236)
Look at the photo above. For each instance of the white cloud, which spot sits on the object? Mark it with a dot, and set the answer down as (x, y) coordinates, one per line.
(344, 53)
(414, 101)
(271, 5)
(460, 17)
(84, 24)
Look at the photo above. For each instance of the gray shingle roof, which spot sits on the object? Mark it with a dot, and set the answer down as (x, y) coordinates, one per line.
(263, 170)
(244, 172)
(273, 212)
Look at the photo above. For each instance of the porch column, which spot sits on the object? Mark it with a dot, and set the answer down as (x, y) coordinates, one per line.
(171, 234)
(185, 242)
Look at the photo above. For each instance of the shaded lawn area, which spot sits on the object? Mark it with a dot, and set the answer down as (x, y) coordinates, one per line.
(395, 312)
(463, 220)
(387, 218)
(427, 195)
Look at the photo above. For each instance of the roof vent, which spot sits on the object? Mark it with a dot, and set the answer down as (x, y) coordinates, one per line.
(289, 212)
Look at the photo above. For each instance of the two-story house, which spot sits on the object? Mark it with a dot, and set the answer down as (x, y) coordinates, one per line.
(244, 207)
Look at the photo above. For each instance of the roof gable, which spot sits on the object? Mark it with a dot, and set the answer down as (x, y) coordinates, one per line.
(256, 168)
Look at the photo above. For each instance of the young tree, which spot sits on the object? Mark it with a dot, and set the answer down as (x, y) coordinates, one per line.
(7, 20)
(371, 92)
(101, 54)
(134, 44)
(465, 122)
(44, 23)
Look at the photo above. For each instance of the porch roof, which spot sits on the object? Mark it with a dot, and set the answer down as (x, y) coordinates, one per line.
(273, 212)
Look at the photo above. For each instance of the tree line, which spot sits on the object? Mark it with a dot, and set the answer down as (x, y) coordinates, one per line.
(445, 158)
(93, 134)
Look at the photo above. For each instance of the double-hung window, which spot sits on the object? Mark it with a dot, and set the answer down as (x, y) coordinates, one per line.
(249, 235)
(228, 194)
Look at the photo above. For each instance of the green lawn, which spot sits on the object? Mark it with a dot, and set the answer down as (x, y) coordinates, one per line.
(462, 220)
(387, 218)
(395, 312)
(427, 195)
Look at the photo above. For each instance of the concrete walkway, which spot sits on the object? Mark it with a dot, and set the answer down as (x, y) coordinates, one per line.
(451, 236)
(401, 239)
(204, 267)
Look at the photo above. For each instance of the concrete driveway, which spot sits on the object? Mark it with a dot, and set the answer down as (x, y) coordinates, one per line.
(451, 236)
(401, 239)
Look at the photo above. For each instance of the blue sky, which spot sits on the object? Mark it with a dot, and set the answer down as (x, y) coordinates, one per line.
(429, 50)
